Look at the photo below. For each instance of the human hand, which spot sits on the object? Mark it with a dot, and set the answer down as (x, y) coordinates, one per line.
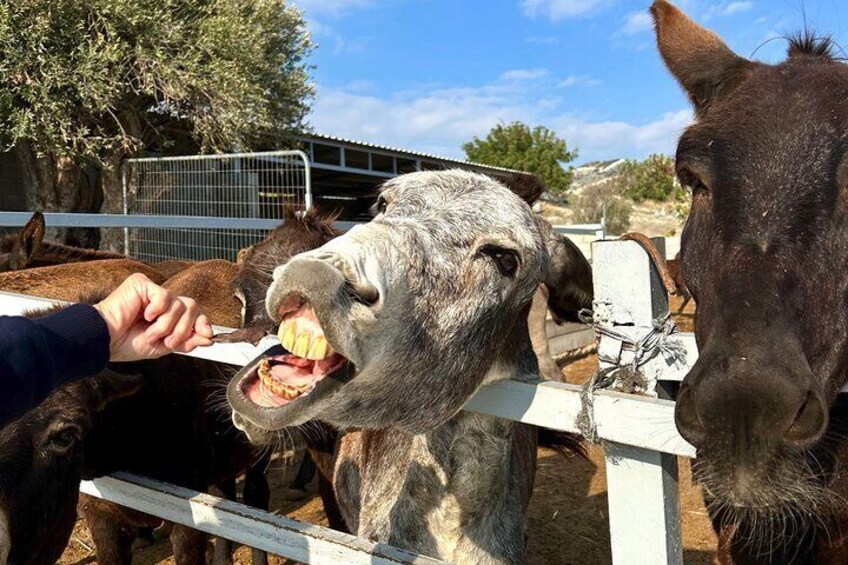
(145, 321)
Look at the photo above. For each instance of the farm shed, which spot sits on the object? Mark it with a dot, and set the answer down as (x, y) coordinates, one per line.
(344, 173)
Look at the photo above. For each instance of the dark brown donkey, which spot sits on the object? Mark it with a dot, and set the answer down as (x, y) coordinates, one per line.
(765, 256)
(298, 233)
(169, 430)
(28, 249)
(169, 425)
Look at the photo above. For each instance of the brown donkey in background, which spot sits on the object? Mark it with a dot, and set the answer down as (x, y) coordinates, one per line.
(28, 249)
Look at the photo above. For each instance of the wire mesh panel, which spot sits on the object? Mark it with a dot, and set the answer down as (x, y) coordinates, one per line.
(241, 185)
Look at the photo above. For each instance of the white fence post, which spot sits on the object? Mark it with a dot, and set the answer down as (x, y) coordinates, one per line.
(644, 506)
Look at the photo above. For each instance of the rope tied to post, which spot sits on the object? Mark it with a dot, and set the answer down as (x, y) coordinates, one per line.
(629, 378)
(626, 378)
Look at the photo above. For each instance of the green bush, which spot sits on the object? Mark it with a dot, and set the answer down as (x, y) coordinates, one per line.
(535, 150)
(589, 207)
(651, 179)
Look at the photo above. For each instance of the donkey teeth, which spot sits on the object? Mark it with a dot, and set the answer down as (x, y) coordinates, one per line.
(287, 332)
(301, 345)
(319, 348)
(265, 370)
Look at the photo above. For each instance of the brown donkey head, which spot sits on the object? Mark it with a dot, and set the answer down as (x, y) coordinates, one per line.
(16, 251)
(764, 256)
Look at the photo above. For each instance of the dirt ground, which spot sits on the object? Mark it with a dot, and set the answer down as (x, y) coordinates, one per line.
(568, 514)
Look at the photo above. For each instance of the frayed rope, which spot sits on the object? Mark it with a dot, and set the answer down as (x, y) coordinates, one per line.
(654, 342)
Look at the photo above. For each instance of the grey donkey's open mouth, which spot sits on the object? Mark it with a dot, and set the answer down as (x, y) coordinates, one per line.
(282, 386)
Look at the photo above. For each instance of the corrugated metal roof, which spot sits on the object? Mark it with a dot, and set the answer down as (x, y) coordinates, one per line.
(402, 152)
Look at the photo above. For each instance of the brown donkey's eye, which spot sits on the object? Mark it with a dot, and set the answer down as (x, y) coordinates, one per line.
(692, 181)
(506, 260)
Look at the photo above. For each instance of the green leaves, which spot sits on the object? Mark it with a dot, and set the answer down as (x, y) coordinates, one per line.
(94, 78)
(651, 179)
(517, 146)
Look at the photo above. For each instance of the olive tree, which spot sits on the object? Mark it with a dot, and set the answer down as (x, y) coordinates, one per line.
(87, 84)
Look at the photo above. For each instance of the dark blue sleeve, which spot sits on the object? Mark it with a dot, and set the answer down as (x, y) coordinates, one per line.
(36, 356)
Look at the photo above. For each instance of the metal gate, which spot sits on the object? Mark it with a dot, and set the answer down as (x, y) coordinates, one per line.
(233, 185)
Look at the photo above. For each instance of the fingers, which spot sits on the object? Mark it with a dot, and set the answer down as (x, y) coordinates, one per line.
(192, 343)
(202, 327)
(158, 301)
(184, 327)
(201, 336)
(181, 328)
(164, 325)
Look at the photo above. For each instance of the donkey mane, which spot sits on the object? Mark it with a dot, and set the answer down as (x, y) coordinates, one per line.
(808, 43)
(312, 221)
(527, 186)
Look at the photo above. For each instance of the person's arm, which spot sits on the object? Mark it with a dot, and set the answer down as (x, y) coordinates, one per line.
(139, 320)
(36, 356)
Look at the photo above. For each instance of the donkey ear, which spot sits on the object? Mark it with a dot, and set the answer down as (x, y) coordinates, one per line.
(243, 254)
(569, 277)
(289, 213)
(697, 57)
(109, 386)
(31, 237)
(528, 187)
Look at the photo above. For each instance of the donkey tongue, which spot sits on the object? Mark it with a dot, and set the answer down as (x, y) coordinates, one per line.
(294, 373)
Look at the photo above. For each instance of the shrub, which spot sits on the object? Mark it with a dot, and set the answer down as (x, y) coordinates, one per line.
(589, 206)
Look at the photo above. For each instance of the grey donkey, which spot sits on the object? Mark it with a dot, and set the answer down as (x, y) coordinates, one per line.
(392, 327)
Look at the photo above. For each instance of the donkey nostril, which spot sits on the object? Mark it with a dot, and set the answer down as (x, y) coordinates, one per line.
(364, 292)
(810, 422)
(686, 417)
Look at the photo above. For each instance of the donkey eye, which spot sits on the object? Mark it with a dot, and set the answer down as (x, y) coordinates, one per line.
(693, 182)
(381, 205)
(62, 439)
(506, 260)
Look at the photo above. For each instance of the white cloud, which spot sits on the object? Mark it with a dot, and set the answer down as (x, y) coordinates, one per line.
(542, 39)
(636, 23)
(557, 10)
(523, 74)
(737, 7)
(725, 9)
(578, 80)
(440, 120)
(607, 139)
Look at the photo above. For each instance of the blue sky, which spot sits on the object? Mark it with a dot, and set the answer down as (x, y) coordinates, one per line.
(431, 74)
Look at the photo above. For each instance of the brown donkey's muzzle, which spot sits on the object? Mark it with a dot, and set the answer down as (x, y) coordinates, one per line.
(741, 401)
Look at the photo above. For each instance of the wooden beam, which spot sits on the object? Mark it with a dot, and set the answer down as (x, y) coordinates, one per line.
(279, 535)
(644, 505)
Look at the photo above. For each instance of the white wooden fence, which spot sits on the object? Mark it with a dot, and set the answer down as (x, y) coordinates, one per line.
(638, 433)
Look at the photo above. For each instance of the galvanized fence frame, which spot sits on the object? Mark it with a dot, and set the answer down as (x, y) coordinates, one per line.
(638, 432)
(227, 185)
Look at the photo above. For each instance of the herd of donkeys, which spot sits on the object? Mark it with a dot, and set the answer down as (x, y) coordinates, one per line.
(389, 328)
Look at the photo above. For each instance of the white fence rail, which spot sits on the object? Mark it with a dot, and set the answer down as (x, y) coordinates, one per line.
(598, 230)
(306, 543)
(85, 220)
(638, 432)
